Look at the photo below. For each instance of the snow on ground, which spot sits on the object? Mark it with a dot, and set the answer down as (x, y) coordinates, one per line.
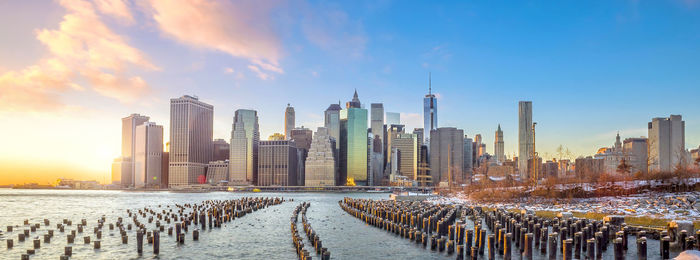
(672, 206)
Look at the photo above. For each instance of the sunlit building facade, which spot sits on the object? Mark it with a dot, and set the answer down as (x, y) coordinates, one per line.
(191, 132)
(353, 147)
(148, 155)
(277, 165)
(127, 168)
(321, 165)
(666, 143)
(243, 161)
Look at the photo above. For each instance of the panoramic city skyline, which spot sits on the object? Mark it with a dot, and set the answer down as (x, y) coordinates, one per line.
(73, 69)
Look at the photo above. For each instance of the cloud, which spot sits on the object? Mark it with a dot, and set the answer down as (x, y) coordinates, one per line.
(116, 8)
(334, 30)
(411, 121)
(124, 89)
(241, 29)
(229, 70)
(262, 75)
(82, 46)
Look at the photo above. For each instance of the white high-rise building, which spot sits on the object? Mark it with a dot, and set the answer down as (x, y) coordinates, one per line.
(243, 161)
(525, 144)
(126, 165)
(148, 155)
(666, 143)
(321, 165)
(191, 135)
(237, 155)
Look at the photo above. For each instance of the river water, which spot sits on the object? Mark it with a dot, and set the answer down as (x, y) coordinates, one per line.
(263, 234)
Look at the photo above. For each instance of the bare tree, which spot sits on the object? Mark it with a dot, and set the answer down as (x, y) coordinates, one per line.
(623, 167)
(560, 151)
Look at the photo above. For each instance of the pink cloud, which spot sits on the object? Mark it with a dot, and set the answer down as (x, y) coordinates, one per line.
(115, 8)
(240, 29)
(82, 47)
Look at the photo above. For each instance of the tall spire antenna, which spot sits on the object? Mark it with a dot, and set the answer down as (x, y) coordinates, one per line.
(430, 83)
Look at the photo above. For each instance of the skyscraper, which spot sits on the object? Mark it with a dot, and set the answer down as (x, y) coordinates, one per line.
(498, 148)
(447, 156)
(525, 144)
(377, 155)
(238, 160)
(148, 155)
(302, 138)
(126, 162)
(468, 154)
(393, 118)
(243, 162)
(391, 134)
(278, 163)
(666, 143)
(288, 121)
(430, 119)
(191, 131)
(321, 165)
(332, 122)
(407, 146)
(353, 144)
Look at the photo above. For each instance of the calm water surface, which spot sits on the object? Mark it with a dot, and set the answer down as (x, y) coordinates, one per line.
(263, 234)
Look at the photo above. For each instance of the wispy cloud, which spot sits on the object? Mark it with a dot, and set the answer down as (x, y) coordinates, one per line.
(262, 75)
(82, 47)
(241, 30)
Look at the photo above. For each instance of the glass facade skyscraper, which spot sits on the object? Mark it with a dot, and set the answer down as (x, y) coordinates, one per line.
(353, 148)
(332, 122)
(430, 119)
(248, 120)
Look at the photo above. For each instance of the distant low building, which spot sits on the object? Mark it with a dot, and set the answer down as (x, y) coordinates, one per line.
(589, 166)
(550, 169)
(217, 173)
(611, 156)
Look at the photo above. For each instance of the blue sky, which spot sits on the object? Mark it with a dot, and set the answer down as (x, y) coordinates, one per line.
(591, 68)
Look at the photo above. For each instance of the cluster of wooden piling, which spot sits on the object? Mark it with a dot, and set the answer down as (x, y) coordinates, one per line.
(180, 216)
(297, 241)
(314, 238)
(505, 233)
(426, 224)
